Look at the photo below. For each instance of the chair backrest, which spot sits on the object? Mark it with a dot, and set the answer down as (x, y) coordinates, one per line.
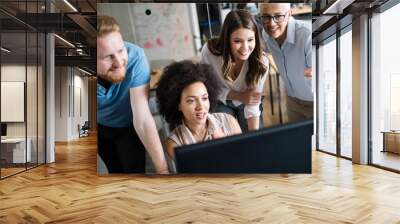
(86, 125)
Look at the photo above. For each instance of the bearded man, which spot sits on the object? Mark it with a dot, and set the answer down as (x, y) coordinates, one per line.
(126, 127)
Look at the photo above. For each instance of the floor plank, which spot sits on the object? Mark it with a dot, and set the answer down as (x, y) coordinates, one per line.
(69, 191)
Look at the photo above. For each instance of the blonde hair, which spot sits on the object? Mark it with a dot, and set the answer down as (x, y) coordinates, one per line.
(106, 25)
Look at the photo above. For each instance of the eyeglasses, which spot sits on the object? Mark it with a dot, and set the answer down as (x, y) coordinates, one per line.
(276, 18)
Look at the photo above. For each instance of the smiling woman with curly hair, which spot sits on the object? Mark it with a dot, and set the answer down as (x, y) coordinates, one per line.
(186, 93)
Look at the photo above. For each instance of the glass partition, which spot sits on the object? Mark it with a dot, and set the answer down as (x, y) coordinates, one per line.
(22, 90)
(327, 96)
(13, 95)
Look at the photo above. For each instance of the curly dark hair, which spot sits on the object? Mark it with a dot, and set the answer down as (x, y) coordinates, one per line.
(175, 78)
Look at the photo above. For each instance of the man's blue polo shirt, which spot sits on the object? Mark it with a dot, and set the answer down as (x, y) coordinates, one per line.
(113, 105)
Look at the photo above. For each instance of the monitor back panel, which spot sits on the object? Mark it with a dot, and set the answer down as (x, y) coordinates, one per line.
(280, 149)
(3, 129)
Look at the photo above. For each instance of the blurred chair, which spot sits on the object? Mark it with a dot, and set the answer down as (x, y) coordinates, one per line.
(84, 130)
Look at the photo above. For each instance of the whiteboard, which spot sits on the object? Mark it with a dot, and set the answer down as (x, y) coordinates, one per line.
(164, 32)
(162, 29)
(12, 101)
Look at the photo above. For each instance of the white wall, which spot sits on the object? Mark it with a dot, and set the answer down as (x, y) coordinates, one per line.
(17, 73)
(61, 103)
(33, 126)
(14, 73)
(69, 85)
(80, 103)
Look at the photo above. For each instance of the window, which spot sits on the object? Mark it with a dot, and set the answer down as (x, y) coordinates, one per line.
(346, 94)
(385, 86)
(327, 96)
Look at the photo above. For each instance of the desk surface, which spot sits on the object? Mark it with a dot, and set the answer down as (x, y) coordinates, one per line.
(13, 140)
(391, 132)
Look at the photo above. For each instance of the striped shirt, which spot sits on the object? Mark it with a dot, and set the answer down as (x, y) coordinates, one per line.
(182, 135)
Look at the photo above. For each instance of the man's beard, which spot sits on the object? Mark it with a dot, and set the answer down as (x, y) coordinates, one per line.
(112, 77)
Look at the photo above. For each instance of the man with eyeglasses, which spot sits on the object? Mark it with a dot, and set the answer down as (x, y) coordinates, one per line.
(289, 42)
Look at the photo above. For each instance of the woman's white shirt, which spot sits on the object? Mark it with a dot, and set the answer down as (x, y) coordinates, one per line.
(239, 84)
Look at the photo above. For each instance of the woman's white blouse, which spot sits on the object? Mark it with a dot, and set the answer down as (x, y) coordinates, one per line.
(239, 84)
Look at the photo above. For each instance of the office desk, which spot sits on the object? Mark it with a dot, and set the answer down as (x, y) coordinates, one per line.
(391, 141)
(13, 150)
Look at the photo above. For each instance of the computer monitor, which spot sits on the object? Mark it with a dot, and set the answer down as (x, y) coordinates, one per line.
(279, 149)
(3, 129)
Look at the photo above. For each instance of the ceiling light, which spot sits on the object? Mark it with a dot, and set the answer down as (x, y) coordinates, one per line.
(79, 51)
(84, 71)
(64, 40)
(70, 5)
(331, 7)
(5, 50)
(337, 7)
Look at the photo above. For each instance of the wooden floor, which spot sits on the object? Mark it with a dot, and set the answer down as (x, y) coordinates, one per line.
(10, 171)
(70, 191)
